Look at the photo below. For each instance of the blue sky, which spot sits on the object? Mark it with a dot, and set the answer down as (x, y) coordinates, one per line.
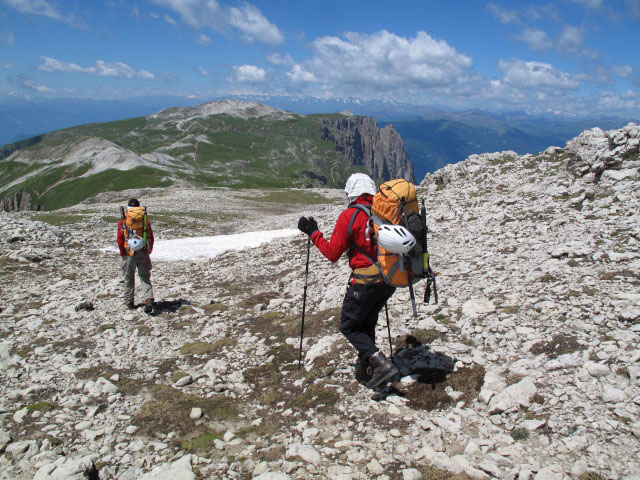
(571, 56)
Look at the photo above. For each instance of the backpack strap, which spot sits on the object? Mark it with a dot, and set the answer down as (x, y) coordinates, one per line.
(358, 208)
(369, 274)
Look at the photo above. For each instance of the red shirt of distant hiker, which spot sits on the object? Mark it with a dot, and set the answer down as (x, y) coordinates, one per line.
(135, 241)
(366, 293)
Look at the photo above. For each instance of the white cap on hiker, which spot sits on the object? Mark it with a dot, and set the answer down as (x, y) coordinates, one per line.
(359, 183)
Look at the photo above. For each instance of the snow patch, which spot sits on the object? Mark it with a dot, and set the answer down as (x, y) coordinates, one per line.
(180, 249)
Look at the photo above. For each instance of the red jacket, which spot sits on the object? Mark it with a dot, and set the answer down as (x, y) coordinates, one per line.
(120, 239)
(340, 242)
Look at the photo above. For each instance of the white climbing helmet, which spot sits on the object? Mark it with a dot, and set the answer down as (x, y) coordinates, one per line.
(135, 244)
(359, 183)
(395, 238)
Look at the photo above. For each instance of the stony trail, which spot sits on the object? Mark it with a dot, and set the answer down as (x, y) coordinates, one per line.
(527, 368)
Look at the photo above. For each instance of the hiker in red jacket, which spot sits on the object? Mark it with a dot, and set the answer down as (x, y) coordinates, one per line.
(366, 292)
(133, 230)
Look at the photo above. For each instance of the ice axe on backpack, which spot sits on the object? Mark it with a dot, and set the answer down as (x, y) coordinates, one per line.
(429, 275)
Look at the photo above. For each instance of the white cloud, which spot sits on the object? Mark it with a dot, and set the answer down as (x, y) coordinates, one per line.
(280, 60)
(254, 25)
(589, 4)
(169, 19)
(195, 13)
(383, 61)
(210, 14)
(8, 65)
(204, 72)
(248, 74)
(569, 42)
(8, 38)
(503, 15)
(634, 8)
(102, 68)
(298, 75)
(609, 101)
(537, 75)
(622, 70)
(536, 38)
(30, 84)
(629, 94)
(203, 40)
(41, 7)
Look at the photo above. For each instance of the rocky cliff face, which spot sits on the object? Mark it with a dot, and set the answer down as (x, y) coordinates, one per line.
(380, 150)
(19, 201)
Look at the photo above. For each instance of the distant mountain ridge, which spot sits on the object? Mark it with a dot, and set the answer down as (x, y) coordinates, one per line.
(443, 138)
(432, 135)
(230, 143)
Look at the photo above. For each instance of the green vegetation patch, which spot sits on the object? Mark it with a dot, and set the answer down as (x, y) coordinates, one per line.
(168, 410)
(519, 434)
(318, 396)
(79, 189)
(177, 376)
(289, 197)
(41, 407)
(201, 444)
(57, 219)
(197, 348)
(431, 473)
(62, 186)
(12, 147)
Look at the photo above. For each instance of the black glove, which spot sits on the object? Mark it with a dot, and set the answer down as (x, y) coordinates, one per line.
(307, 225)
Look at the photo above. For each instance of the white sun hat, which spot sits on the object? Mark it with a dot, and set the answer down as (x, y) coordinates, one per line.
(359, 183)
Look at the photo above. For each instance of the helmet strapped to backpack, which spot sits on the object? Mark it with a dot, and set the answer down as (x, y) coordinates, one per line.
(135, 243)
(395, 239)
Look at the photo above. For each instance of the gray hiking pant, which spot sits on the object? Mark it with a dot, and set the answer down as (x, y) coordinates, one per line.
(139, 260)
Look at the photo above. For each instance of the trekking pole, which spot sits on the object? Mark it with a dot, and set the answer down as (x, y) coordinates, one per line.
(304, 301)
(386, 311)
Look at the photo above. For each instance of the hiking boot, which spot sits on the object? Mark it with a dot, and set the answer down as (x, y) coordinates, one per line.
(148, 305)
(383, 370)
(130, 305)
(363, 371)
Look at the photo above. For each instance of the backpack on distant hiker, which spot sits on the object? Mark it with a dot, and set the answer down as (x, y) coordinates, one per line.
(134, 226)
(399, 229)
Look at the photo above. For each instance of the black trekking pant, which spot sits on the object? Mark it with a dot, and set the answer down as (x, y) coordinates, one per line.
(360, 309)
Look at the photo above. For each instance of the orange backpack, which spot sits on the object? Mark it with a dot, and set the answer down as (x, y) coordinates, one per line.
(135, 225)
(396, 204)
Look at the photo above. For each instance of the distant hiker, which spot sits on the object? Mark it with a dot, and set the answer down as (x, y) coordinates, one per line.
(135, 240)
(366, 292)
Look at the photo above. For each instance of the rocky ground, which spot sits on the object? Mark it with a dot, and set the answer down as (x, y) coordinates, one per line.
(527, 368)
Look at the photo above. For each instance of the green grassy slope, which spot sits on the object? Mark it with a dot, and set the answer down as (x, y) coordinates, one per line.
(217, 150)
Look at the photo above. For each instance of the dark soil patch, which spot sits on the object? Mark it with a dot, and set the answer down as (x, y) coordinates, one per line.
(101, 370)
(559, 345)
(429, 392)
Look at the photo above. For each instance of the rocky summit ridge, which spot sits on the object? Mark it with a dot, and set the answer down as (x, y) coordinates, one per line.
(528, 368)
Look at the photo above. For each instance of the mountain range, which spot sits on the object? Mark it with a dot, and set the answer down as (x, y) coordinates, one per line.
(432, 135)
(229, 143)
